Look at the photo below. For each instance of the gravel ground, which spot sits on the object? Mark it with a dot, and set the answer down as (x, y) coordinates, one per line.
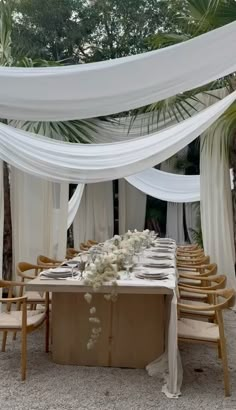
(54, 387)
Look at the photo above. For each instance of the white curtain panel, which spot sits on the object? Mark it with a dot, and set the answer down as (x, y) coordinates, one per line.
(39, 217)
(216, 203)
(167, 186)
(175, 214)
(74, 204)
(192, 218)
(174, 222)
(109, 87)
(80, 163)
(60, 193)
(1, 217)
(132, 207)
(94, 219)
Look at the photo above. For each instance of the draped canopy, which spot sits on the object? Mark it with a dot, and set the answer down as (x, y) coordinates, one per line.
(60, 161)
(108, 87)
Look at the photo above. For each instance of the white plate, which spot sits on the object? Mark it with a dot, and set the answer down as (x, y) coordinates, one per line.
(60, 270)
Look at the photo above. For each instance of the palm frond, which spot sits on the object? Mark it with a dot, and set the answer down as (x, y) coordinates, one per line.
(5, 33)
(77, 131)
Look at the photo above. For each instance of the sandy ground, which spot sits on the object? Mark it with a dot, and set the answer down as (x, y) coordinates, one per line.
(54, 387)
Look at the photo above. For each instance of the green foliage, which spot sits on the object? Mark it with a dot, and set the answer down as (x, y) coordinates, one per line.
(197, 233)
(197, 236)
(78, 131)
(5, 33)
(48, 29)
(84, 31)
(200, 16)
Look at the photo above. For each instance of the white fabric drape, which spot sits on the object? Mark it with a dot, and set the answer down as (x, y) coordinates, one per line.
(132, 208)
(39, 217)
(1, 217)
(175, 211)
(216, 202)
(60, 161)
(60, 193)
(167, 186)
(94, 219)
(174, 222)
(108, 87)
(74, 204)
(32, 214)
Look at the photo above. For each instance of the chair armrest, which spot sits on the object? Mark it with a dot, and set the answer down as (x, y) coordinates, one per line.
(17, 299)
(25, 276)
(10, 284)
(195, 308)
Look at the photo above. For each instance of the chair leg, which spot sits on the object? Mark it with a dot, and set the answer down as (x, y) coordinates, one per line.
(225, 368)
(24, 341)
(219, 350)
(47, 324)
(4, 341)
(14, 336)
(47, 334)
(23, 354)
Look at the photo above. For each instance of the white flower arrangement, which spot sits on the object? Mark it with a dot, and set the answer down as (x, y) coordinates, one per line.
(105, 267)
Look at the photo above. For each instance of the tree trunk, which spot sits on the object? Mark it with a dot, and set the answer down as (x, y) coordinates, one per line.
(7, 236)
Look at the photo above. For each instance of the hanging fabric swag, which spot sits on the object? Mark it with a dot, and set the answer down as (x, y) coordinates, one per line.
(166, 186)
(60, 161)
(108, 87)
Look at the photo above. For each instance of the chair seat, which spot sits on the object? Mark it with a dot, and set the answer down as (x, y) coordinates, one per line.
(210, 313)
(36, 297)
(198, 330)
(13, 319)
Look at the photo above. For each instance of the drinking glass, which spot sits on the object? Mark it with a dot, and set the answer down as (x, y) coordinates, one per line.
(128, 263)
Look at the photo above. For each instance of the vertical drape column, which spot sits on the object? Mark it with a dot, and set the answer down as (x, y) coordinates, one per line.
(216, 205)
(39, 217)
(132, 207)
(94, 219)
(1, 215)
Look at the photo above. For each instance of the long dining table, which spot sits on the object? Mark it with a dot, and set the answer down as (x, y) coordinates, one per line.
(138, 330)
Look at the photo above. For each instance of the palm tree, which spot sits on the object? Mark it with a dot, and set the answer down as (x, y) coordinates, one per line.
(73, 131)
(202, 16)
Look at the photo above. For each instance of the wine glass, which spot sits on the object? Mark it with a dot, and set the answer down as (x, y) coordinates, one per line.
(128, 263)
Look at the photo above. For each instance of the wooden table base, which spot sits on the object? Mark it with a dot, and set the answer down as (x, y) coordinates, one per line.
(132, 335)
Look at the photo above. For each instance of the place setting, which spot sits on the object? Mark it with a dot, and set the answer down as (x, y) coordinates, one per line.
(68, 270)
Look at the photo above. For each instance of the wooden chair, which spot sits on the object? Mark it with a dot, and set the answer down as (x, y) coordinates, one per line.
(91, 242)
(206, 269)
(196, 331)
(71, 253)
(49, 262)
(188, 291)
(188, 296)
(192, 254)
(191, 275)
(28, 271)
(22, 320)
(184, 262)
(84, 247)
(188, 248)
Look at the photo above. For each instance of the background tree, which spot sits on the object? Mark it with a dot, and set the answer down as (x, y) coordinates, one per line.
(83, 31)
(199, 17)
